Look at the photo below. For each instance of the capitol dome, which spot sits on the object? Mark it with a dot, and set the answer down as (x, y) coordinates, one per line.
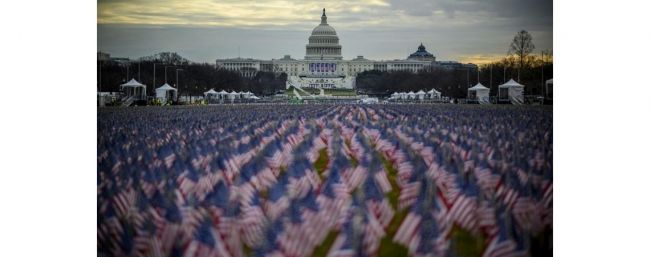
(421, 54)
(323, 42)
(323, 29)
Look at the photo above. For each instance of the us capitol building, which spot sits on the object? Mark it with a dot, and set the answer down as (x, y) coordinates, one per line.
(324, 67)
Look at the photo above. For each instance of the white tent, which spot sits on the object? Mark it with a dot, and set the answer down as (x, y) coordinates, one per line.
(246, 94)
(135, 89)
(166, 92)
(210, 92)
(254, 97)
(434, 94)
(512, 91)
(211, 95)
(420, 95)
(369, 100)
(480, 93)
(222, 94)
(410, 95)
(233, 95)
(549, 89)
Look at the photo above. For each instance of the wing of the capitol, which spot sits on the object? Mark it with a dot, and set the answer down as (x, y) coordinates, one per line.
(324, 67)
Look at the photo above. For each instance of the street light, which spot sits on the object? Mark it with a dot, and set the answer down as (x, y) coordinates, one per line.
(153, 89)
(100, 76)
(166, 72)
(179, 84)
(468, 77)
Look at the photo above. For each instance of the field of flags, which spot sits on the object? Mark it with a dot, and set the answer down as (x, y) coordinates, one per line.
(325, 180)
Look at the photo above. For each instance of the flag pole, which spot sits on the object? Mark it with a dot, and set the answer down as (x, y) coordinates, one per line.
(490, 76)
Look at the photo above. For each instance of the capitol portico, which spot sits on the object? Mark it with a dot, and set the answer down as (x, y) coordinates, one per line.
(323, 65)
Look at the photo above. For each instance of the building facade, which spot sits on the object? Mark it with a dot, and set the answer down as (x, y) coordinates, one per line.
(323, 65)
(106, 57)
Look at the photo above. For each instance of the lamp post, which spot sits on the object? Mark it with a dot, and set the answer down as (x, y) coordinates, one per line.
(179, 84)
(543, 91)
(166, 72)
(153, 89)
(100, 76)
(467, 77)
(490, 76)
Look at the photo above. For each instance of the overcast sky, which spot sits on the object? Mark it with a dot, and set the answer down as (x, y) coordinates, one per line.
(204, 30)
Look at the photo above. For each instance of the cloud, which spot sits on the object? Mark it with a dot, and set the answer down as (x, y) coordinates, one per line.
(378, 29)
(480, 58)
(362, 14)
(495, 8)
(227, 13)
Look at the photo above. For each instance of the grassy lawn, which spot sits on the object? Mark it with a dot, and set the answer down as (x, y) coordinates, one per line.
(393, 195)
(353, 160)
(324, 248)
(247, 250)
(333, 92)
(289, 92)
(388, 248)
(264, 194)
(465, 244)
(321, 163)
(340, 92)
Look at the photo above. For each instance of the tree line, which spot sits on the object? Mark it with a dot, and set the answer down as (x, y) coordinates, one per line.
(193, 78)
(454, 82)
(520, 64)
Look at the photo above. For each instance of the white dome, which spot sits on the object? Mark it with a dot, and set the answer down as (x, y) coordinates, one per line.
(323, 42)
(323, 29)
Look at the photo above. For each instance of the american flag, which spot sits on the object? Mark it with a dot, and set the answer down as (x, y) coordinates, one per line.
(508, 190)
(206, 187)
(486, 217)
(125, 202)
(525, 211)
(354, 177)
(408, 194)
(205, 243)
(360, 234)
(487, 180)
(547, 198)
(376, 203)
(464, 207)
(382, 180)
(427, 208)
(501, 246)
(252, 222)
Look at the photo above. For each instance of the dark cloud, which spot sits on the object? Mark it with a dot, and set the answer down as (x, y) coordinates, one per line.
(497, 8)
(451, 30)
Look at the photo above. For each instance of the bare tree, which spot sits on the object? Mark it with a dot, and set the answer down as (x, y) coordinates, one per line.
(521, 46)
